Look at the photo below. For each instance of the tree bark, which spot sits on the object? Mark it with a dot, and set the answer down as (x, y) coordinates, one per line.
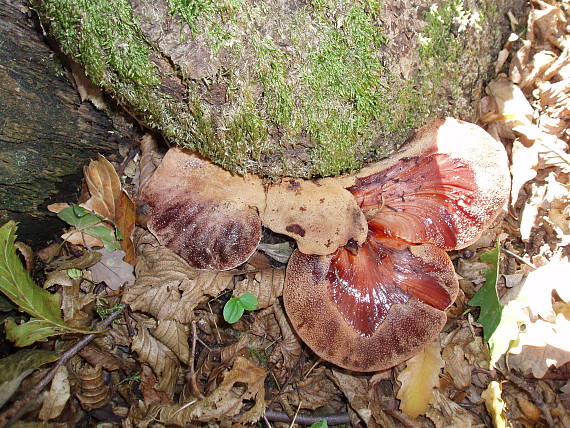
(46, 133)
(303, 88)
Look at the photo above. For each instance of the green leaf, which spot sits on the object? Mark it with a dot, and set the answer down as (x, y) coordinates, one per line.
(74, 273)
(233, 310)
(320, 424)
(106, 235)
(487, 298)
(248, 301)
(78, 217)
(16, 367)
(31, 331)
(19, 287)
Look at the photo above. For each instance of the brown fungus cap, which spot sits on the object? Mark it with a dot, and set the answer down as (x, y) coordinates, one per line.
(370, 311)
(320, 216)
(202, 212)
(370, 308)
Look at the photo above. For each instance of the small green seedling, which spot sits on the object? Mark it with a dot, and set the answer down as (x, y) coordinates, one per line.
(233, 309)
(74, 273)
(320, 424)
(89, 223)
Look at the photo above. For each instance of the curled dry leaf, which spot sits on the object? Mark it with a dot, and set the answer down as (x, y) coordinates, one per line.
(150, 159)
(57, 396)
(174, 335)
(148, 383)
(357, 391)
(495, 404)
(109, 201)
(314, 391)
(242, 385)
(419, 379)
(446, 413)
(94, 392)
(168, 289)
(286, 354)
(99, 357)
(159, 357)
(266, 285)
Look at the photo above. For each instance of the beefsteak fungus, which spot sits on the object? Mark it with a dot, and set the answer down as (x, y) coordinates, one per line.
(370, 280)
(369, 308)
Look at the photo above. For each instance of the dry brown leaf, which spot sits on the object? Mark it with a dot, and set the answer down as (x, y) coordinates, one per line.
(98, 357)
(174, 335)
(150, 159)
(357, 390)
(314, 391)
(446, 413)
(456, 365)
(419, 379)
(72, 304)
(242, 384)
(80, 238)
(94, 392)
(148, 390)
(169, 289)
(495, 404)
(83, 262)
(287, 352)
(58, 277)
(159, 357)
(112, 269)
(110, 202)
(86, 88)
(57, 397)
(542, 345)
(266, 285)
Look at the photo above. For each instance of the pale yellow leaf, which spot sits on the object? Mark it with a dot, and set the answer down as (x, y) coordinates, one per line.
(57, 396)
(418, 380)
(495, 404)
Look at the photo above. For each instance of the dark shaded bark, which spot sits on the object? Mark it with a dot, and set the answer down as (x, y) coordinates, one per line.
(46, 133)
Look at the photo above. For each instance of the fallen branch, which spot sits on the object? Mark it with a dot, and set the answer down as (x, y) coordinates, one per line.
(10, 415)
(337, 419)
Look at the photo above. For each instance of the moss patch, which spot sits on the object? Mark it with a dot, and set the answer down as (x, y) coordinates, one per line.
(303, 88)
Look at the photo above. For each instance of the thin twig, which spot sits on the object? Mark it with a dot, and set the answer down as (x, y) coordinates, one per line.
(192, 375)
(336, 419)
(516, 256)
(296, 414)
(8, 416)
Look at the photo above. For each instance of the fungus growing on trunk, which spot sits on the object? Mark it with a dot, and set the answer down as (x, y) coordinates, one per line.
(369, 283)
(370, 308)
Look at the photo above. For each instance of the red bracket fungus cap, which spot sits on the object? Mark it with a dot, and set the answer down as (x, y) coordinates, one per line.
(369, 308)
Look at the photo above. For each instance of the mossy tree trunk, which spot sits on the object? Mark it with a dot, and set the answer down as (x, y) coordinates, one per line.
(286, 87)
(46, 133)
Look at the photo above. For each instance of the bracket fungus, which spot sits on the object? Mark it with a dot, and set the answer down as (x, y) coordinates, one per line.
(368, 285)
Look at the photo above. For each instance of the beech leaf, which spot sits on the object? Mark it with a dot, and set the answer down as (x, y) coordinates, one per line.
(418, 380)
(57, 396)
(19, 287)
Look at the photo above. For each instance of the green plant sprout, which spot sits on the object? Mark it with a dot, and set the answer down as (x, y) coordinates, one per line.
(234, 308)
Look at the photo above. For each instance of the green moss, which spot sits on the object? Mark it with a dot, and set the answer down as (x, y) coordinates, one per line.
(102, 35)
(189, 10)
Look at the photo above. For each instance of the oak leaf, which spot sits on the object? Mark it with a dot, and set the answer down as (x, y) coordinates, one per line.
(419, 379)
